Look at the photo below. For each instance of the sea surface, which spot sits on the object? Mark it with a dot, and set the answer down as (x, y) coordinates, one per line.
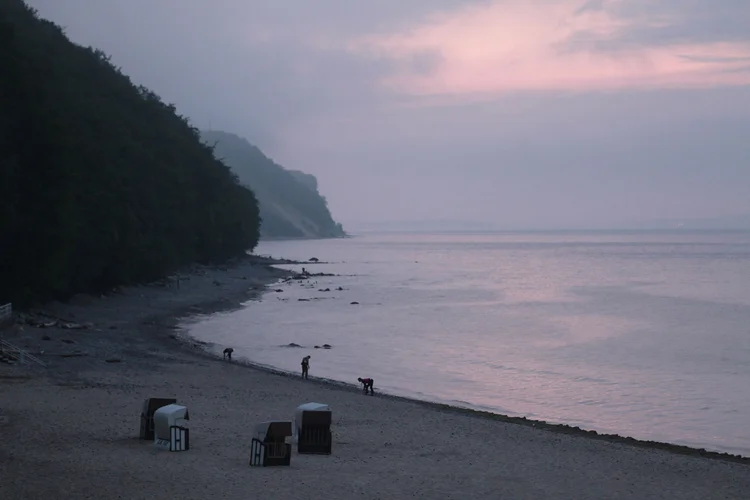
(643, 334)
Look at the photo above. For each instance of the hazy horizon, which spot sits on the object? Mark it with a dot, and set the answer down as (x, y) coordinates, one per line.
(514, 113)
(738, 222)
(457, 226)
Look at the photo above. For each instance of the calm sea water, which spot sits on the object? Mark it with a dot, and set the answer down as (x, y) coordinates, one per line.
(644, 334)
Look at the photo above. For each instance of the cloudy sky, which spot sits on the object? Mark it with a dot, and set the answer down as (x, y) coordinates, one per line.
(519, 113)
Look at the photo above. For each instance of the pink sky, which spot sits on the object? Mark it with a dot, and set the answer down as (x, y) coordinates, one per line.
(520, 45)
(408, 110)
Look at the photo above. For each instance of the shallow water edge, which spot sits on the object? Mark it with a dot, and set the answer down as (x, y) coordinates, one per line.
(213, 351)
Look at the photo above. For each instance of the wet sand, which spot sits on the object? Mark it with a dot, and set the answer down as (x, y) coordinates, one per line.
(70, 430)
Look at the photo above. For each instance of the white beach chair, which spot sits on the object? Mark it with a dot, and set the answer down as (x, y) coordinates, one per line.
(170, 428)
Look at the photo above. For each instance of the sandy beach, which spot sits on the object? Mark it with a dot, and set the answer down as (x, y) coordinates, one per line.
(70, 430)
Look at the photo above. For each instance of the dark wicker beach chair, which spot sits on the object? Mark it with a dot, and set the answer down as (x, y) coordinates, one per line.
(314, 432)
(268, 447)
(150, 405)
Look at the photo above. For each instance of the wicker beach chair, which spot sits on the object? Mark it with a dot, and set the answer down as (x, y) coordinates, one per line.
(170, 428)
(148, 408)
(313, 429)
(268, 447)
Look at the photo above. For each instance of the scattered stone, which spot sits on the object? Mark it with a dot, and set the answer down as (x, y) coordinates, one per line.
(327, 346)
(324, 290)
(354, 303)
(74, 326)
(314, 259)
(46, 337)
(307, 275)
(50, 322)
(304, 300)
(279, 290)
(68, 341)
(292, 344)
(112, 360)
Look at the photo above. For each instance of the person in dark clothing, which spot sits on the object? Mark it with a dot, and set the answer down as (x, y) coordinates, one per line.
(305, 366)
(228, 353)
(367, 383)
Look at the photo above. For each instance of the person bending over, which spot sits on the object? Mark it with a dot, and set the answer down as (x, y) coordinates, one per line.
(367, 383)
(228, 353)
(305, 366)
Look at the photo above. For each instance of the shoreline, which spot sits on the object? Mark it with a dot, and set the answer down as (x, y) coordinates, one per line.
(191, 343)
(203, 346)
(83, 416)
(148, 313)
(168, 324)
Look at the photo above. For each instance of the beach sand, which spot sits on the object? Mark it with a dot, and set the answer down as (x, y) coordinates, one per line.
(70, 430)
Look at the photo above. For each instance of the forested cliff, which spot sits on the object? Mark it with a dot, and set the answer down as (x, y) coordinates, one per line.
(290, 204)
(102, 184)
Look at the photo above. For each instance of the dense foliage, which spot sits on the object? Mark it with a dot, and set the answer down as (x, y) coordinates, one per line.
(290, 205)
(102, 183)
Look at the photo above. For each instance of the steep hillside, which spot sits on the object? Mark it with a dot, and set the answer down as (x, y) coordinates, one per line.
(290, 204)
(102, 184)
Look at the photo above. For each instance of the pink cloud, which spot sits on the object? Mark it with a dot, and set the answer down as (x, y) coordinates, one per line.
(516, 45)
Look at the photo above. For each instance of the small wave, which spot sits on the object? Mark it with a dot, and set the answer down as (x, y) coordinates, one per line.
(589, 402)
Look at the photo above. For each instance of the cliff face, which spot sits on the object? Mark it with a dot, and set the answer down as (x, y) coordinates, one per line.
(289, 201)
(306, 179)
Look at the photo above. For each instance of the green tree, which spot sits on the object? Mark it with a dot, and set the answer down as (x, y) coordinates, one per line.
(103, 184)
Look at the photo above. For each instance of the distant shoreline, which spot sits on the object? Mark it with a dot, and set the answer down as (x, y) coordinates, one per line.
(304, 238)
(670, 230)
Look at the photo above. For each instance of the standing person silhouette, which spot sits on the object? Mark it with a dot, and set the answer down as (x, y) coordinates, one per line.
(367, 383)
(305, 366)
